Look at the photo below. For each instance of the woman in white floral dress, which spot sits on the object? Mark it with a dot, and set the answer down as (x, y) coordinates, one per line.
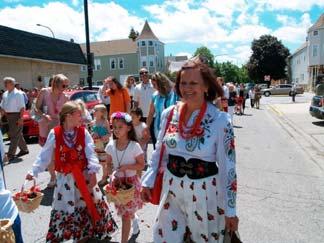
(198, 199)
(79, 211)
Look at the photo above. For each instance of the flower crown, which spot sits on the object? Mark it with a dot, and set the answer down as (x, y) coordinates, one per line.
(121, 115)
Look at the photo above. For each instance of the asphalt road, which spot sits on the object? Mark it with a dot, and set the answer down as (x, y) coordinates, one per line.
(280, 166)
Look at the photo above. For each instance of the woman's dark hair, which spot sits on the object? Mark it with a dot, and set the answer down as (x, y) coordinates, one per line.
(214, 89)
(118, 84)
(131, 134)
(137, 111)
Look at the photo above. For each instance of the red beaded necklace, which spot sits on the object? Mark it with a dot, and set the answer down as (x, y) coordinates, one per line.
(192, 132)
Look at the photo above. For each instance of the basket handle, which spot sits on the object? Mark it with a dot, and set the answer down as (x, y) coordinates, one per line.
(25, 183)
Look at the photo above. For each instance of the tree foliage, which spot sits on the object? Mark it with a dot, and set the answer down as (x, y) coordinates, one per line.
(269, 57)
(206, 53)
(231, 72)
(133, 34)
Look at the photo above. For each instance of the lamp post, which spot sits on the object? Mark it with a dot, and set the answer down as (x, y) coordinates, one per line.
(47, 28)
(86, 20)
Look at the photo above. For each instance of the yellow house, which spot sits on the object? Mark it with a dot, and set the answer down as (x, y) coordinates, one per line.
(32, 59)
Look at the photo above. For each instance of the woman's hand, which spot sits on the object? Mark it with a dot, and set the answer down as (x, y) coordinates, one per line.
(146, 194)
(47, 118)
(231, 223)
(29, 177)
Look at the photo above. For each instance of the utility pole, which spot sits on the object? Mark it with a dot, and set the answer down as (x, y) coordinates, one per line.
(89, 61)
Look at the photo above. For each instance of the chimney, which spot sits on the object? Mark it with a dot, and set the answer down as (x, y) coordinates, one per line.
(71, 40)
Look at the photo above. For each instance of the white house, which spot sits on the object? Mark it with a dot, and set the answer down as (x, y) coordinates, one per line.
(307, 62)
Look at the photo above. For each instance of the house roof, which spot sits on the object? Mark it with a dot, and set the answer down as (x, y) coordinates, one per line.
(318, 24)
(303, 46)
(112, 47)
(24, 44)
(147, 33)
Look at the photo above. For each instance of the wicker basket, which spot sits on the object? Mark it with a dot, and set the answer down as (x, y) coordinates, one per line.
(6, 233)
(30, 204)
(119, 196)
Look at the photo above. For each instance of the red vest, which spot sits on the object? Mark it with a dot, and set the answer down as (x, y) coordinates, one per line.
(73, 160)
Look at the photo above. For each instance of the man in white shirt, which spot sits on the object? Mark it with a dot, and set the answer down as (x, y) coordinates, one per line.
(13, 107)
(104, 99)
(143, 93)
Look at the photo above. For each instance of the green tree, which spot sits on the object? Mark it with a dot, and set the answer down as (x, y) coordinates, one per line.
(133, 34)
(206, 53)
(269, 57)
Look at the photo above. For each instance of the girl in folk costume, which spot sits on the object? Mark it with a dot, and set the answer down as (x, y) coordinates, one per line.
(199, 185)
(79, 211)
(100, 133)
(125, 157)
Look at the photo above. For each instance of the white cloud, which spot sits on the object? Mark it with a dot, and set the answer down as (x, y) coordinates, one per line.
(300, 5)
(292, 30)
(225, 8)
(247, 33)
(106, 21)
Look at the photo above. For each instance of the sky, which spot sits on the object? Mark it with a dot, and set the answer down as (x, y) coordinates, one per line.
(226, 27)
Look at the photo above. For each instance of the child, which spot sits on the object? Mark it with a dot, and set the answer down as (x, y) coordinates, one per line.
(86, 116)
(125, 157)
(79, 211)
(101, 133)
(141, 130)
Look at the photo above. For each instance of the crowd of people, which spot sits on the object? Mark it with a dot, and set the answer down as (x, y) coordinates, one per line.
(193, 139)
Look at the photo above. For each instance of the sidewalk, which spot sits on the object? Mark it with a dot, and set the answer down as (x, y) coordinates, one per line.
(302, 127)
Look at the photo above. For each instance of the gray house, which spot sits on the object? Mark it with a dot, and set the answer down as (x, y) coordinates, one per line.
(121, 58)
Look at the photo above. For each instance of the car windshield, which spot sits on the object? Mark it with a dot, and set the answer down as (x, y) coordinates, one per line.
(319, 89)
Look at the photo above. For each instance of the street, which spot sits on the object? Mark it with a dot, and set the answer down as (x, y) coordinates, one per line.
(280, 167)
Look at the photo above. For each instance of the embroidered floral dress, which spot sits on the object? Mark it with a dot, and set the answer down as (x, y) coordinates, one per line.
(70, 217)
(193, 210)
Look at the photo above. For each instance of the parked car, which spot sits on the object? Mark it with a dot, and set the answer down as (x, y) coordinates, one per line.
(89, 97)
(281, 89)
(94, 87)
(316, 108)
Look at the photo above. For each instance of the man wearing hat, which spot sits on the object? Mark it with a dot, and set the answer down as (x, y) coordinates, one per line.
(13, 107)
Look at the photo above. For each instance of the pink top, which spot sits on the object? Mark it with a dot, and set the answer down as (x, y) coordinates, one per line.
(53, 109)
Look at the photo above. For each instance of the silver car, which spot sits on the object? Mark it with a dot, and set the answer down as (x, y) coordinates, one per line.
(281, 89)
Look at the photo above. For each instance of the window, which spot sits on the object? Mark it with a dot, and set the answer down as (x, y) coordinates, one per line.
(315, 33)
(150, 43)
(143, 43)
(83, 68)
(143, 64)
(121, 63)
(97, 64)
(315, 50)
(112, 63)
(151, 63)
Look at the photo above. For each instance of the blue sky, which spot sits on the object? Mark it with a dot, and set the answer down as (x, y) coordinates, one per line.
(225, 27)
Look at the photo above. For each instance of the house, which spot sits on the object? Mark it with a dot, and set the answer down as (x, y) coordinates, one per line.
(32, 59)
(124, 57)
(307, 62)
(174, 63)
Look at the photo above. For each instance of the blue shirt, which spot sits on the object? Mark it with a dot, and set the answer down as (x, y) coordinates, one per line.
(160, 104)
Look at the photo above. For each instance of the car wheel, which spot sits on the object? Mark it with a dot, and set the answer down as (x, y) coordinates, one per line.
(267, 93)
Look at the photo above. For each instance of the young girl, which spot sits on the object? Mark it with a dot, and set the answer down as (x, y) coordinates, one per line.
(141, 130)
(125, 157)
(79, 211)
(100, 133)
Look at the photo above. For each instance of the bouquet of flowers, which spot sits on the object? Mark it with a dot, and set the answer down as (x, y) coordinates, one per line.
(28, 200)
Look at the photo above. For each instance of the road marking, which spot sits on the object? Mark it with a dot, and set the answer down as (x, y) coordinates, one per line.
(276, 110)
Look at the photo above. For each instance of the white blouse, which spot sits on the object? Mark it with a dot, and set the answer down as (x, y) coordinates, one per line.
(124, 157)
(215, 145)
(45, 156)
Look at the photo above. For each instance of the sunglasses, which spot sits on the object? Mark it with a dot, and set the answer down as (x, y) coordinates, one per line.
(64, 86)
(142, 73)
